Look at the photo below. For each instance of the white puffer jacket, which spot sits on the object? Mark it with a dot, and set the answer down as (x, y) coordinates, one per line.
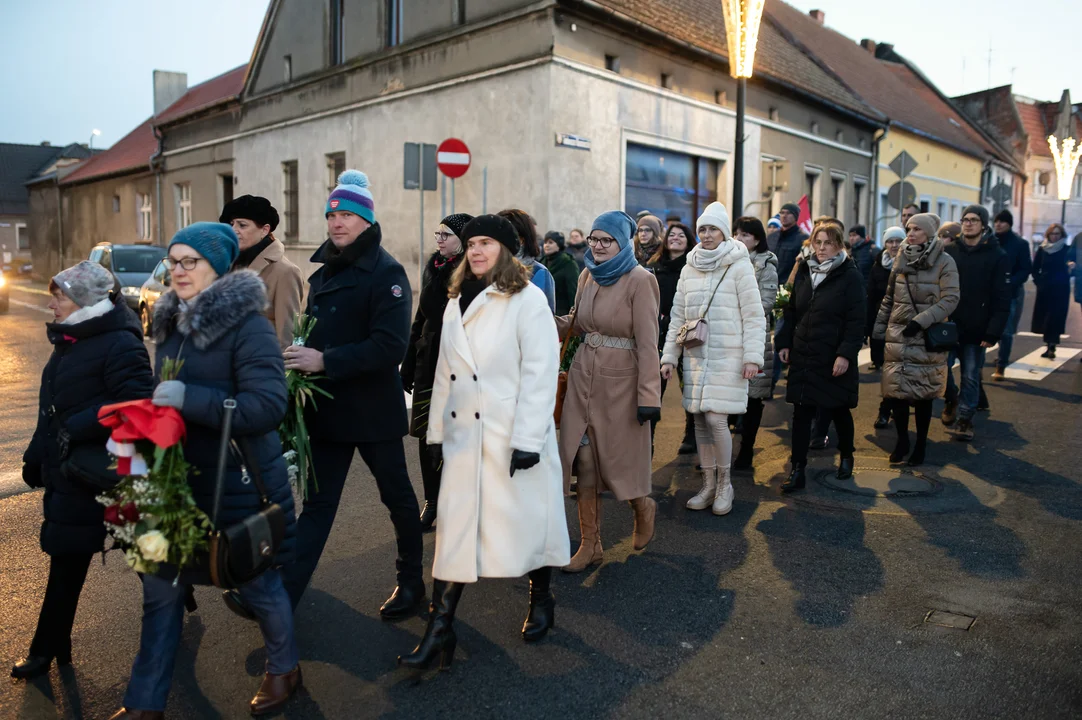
(714, 372)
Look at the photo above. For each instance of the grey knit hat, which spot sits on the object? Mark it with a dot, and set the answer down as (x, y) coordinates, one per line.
(980, 210)
(86, 284)
(928, 222)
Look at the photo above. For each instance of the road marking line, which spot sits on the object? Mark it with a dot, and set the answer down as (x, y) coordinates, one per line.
(31, 290)
(39, 308)
(1035, 368)
(1037, 335)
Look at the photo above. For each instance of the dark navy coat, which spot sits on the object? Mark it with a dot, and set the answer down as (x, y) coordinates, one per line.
(95, 362)
(230, 350)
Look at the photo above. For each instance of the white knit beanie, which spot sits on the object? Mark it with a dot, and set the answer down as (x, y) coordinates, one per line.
(715, 214)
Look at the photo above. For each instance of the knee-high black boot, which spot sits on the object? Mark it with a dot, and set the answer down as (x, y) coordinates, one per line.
(430, 476)
(542, 616)
(901, 423)
(439, 638)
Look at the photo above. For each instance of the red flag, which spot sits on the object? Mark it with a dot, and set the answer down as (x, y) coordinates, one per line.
(805, 219)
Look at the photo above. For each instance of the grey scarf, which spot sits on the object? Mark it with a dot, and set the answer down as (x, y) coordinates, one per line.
(886, 260)
(820, 270)
(1052, 248)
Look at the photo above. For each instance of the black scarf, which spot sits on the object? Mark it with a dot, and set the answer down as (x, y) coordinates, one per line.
(335, 260)
(246, 257)
(470, 289)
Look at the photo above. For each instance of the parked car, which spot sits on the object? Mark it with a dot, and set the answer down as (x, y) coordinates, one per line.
(131, 265)
(4, 292)
(155, 285)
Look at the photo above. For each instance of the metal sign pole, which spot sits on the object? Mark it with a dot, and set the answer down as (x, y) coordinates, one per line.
(421, 224)
(452, 196)
(484, 190)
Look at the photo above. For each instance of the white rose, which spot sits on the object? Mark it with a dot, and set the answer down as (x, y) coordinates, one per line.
(153, 546)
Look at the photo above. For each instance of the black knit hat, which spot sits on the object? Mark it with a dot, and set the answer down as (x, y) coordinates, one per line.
(980, 210)
(1005, 216)
(498, 228)
(457, 222)
(557, 237)
(250, 207)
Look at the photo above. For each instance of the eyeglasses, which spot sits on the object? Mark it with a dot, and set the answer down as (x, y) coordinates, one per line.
(970, 220)
(443, 236)
(646, 230)
(602, 243)
(188, 263)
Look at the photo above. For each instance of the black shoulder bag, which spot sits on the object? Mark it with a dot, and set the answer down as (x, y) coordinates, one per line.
(939, 337)
(243, 551)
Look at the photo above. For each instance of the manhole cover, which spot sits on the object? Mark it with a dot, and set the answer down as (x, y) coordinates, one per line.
(946, 619)
(879, 482)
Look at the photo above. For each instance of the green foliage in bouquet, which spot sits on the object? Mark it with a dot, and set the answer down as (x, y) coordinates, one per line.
(293, 432)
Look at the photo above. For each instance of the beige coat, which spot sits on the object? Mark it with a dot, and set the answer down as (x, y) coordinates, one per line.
(285, 289)
(910, 370)
(606, 386)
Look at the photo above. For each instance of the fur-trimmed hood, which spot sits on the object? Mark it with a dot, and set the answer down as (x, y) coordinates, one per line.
(213, 312)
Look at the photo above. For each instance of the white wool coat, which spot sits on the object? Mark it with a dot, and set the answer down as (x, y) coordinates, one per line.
(713, 373)
(494, 391)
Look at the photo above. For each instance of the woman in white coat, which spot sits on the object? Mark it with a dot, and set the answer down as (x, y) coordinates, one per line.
(718, 285)
(490, 425)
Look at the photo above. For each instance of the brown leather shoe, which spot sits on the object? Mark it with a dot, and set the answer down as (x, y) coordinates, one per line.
(275, 691)
(645, 511)
(125, 714)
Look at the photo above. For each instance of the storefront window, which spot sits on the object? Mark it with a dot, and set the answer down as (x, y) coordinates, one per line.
(669, 184)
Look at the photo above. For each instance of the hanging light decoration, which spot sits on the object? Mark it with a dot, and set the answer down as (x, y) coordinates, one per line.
(742, 33)
(1066, 157)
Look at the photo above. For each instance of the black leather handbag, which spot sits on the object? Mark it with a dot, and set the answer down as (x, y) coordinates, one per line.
(938, 337)
(243, 551)
(92, 465)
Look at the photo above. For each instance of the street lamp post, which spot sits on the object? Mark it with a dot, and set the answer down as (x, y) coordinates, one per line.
(1066, 156)
(93, 134)
(742, 34)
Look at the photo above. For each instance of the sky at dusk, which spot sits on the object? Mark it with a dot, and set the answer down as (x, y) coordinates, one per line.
(70, 66)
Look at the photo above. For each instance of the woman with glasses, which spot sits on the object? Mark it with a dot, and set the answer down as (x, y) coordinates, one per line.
(1052, 276)
(419, 367)
(648, 237)
(613, 386)
(877, 288)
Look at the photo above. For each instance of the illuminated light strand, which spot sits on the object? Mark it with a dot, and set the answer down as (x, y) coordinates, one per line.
(742, 33)
(1066, 159)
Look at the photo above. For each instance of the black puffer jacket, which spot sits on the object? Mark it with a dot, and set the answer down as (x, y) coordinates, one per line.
(787, 247)
(230, 350)
(864, 256)
(820, 325)
(877, 288)
(667, 274)
(97, 361)
(984, 278)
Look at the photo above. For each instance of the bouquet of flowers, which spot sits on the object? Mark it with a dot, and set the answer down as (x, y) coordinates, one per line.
(781, 301)
(151, 513)
(293, 431)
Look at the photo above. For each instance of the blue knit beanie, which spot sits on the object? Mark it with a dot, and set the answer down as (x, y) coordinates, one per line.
(352, 195)
(216, 242)
(618, 224)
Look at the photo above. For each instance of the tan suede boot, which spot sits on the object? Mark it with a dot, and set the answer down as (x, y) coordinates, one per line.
(590, 551)
(645, 510)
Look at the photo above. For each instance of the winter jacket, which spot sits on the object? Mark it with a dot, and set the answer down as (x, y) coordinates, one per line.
(229, 350)
(419, 367)
(1019, 260)
(667, 274)
(985, 283)
(98, 359)
(565, 276)
(787, 248)
(578, 254)
(494, 392)
(285, 288)
(864, 255)
(713, 373)
(1053, 281)
(760, 387)
(360, 298)
(820, 326)
(877, 288)
(926, 292)
(542, 278)
(1073, 257)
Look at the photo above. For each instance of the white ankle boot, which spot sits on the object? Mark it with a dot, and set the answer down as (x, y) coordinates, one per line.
(706, 495)
(723, 501)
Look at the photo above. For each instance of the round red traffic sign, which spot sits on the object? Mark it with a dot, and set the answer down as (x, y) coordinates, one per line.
(453, 158)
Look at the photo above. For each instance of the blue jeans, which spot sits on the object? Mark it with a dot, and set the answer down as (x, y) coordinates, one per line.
(1006, 341)
(971, 362)
(163, 620)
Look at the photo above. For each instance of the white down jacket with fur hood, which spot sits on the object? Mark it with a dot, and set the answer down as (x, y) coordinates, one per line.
(714, 372)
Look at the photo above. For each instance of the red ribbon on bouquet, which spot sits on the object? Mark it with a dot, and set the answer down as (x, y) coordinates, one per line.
(140, 420)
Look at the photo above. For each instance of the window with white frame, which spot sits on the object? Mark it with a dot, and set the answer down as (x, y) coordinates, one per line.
(954, 211)
(22, 237)
(837, 195)
(290, 192)
(812, 176)
(184, 205)
(142, 224)
(336, 165)
(1077, 186)
(394, 22)
(860, 200)
(941, 208)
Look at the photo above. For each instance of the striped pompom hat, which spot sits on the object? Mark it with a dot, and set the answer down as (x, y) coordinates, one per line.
(352, 195)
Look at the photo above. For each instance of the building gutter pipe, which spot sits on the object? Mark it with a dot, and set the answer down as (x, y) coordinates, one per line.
(155, 167)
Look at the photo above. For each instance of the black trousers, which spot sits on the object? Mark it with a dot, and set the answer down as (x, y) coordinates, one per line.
(331, 462)
(879, 351)
(67, 573)
(430, 476)
(753, 418)
(805, 415)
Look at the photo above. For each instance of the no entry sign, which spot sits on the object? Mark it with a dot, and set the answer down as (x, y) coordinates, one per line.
(453, 158)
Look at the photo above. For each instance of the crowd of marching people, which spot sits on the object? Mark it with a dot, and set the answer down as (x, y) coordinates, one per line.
(536, 364)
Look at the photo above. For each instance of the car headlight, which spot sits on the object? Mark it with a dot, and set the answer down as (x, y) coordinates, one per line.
(129, 291)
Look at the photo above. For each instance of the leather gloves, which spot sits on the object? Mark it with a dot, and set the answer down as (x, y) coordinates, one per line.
(523, 460)
(63, 442)
(169, 393)
(648, 414)
(912, 329)
(32, 475)
(435, 456)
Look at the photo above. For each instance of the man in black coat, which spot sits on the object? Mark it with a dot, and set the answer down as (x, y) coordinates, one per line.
(862, 250)
(1020, 265)
(985, 283)
(786, 245)
(361, 301)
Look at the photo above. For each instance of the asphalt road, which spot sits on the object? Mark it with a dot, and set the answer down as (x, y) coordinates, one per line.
(812, 606)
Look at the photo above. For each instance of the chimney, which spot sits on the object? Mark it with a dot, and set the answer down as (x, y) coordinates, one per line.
(817, 15)
(46, 143)
(168, 88)
(868, 44)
